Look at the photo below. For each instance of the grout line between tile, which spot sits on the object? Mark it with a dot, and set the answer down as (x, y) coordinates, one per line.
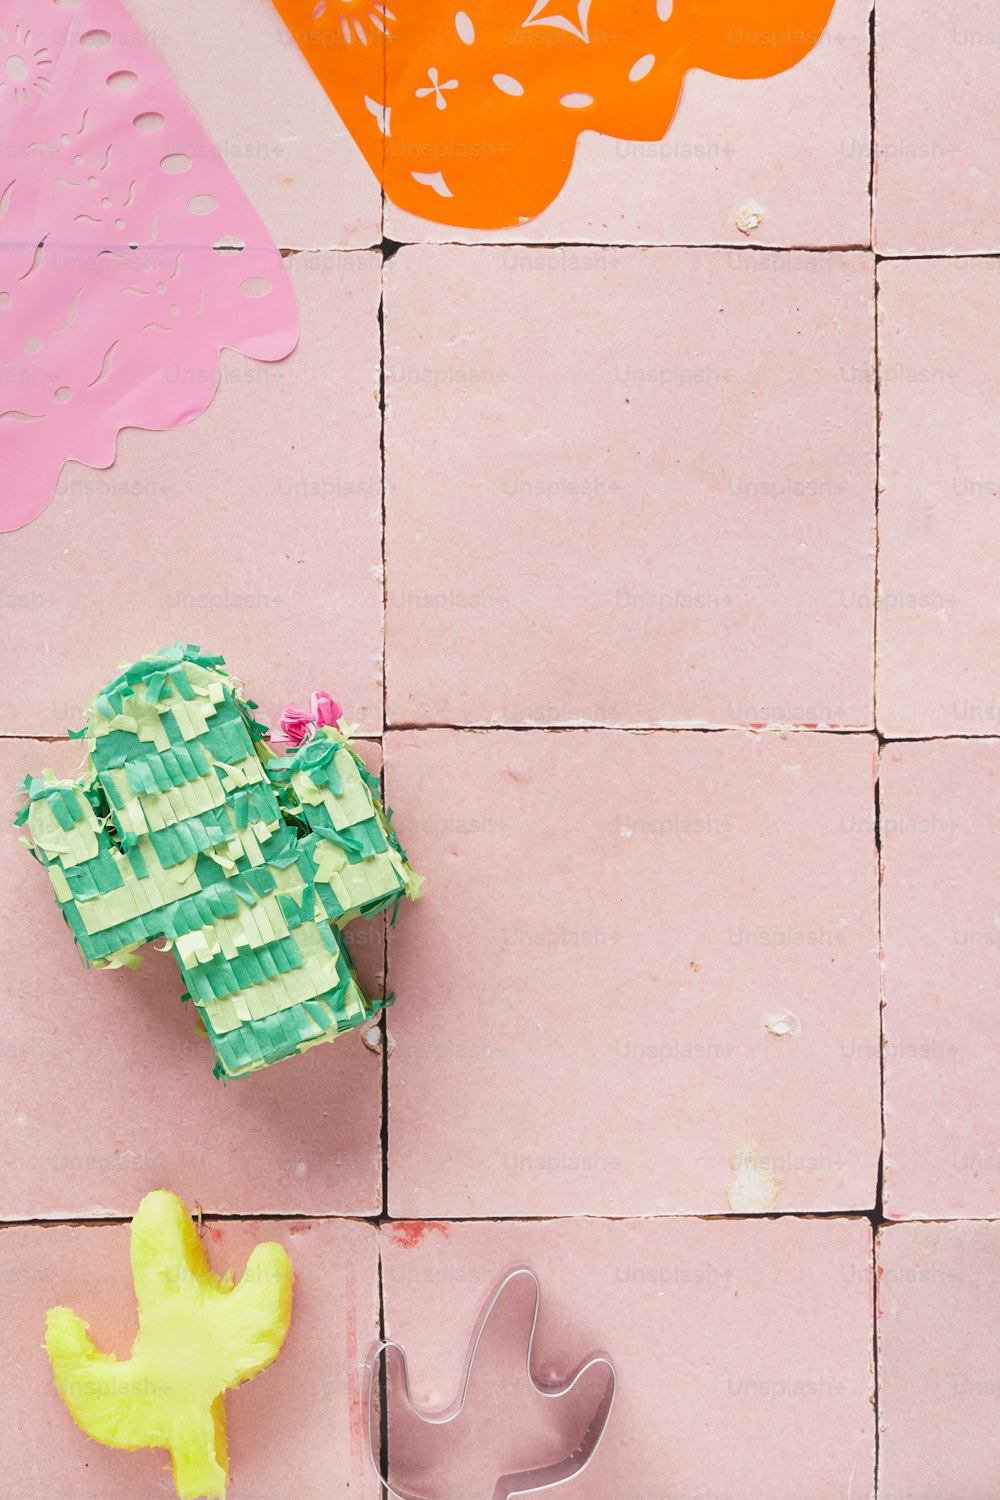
(873, 123)
(389, 247)
(878, 1215)
(847, 248)
(383, 1392)
(381, 1221)
(598, 728)
(373, 738)
(876, 367)
(943, 255)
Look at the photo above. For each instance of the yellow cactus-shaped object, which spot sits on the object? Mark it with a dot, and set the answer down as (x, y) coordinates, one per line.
(199, 1336)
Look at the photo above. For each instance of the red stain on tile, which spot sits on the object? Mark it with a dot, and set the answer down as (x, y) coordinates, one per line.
(411, 1232)
(354, 1410)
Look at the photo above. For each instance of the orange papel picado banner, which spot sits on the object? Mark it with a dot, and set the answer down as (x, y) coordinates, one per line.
(469, 112)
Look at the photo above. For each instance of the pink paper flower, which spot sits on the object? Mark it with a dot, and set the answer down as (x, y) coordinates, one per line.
(299, 724)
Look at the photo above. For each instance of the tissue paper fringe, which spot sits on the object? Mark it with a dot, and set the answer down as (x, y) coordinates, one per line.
(185, 826)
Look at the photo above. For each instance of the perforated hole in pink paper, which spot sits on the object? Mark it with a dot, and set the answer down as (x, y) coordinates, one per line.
(129, 256)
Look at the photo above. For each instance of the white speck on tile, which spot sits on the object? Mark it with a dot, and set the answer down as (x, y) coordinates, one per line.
(749, 216)
(782, 1023)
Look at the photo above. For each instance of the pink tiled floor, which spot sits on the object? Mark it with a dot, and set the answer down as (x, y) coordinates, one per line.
(575, 412)
(938, 1381)
(664, 577)
(940, 478)
(940, 897)
(937, 127)
(613, 1001)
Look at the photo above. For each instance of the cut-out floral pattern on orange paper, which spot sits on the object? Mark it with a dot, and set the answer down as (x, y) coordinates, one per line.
(470, 115)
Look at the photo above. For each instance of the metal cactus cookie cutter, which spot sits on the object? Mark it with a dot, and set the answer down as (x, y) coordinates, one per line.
(525, 1482)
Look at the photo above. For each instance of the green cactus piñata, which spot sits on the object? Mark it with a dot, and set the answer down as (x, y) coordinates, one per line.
(187, 826)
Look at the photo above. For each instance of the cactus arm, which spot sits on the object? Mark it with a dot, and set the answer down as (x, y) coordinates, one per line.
(108, 1398)
(252, 1320)
(356, 861)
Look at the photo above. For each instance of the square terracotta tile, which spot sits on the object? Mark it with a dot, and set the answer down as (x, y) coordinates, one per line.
(796, 148)
(939, 610)
(269, 120)
(629, 487)
(255, 532)
(643, 979)
(743, 1349)
(295, 1429)
(938, 1378)
(940, 821)
(110, 1091)
(937, 129)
